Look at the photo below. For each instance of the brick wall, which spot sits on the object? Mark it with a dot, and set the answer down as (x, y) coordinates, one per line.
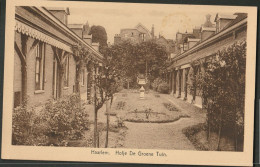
(72, 76)
(38, 98)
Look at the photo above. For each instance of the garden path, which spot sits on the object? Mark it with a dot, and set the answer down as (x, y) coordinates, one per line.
(161, 135)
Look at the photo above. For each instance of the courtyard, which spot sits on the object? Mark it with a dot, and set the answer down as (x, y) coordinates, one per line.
(155, 122)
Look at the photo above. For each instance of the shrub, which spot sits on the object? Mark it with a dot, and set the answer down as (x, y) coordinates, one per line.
(155, 84)
(163, 87)
(58, 122)
(22, 126)
(156, 95)
(66, 118)
(120, 105)
(170, 107)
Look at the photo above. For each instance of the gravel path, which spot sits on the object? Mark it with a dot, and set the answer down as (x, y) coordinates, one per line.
(157, 136)
(164, 135)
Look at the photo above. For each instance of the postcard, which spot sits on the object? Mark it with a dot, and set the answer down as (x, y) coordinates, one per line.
(129, 82)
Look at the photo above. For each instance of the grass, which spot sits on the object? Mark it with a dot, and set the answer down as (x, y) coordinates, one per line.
(191, 131)
(197, 134)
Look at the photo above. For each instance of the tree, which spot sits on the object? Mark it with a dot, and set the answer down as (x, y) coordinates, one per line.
(152, 59)
(81, 56)
(111, 82)
(223, 91)
(99, 34)
(145, 58)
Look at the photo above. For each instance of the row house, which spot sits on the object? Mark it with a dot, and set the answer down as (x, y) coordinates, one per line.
(200, 46)
(50, 59)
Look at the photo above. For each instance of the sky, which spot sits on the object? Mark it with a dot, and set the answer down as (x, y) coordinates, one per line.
(167, 19)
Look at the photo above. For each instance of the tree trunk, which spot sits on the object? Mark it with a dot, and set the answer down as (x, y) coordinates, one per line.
(220, 130)
(108, 117)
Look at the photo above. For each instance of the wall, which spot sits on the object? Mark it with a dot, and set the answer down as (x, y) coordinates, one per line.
(130, 34)
(223, 23)
(77, 31)
(72, 76)
(61, 15)
(206, 34)
(36, 97)
(17, 67)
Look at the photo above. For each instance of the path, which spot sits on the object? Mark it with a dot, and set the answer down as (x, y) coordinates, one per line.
(157, 136)
(163, 135)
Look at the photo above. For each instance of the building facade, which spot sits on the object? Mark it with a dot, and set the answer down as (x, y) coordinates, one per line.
(136, 35)
(47, 54)
(210, 39)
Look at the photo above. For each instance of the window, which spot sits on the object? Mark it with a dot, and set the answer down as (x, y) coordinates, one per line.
(39, 66)
(66, 72)
(143, 37)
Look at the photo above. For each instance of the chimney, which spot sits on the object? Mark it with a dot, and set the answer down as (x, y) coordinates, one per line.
(117, 39)
(196, 32)
(207, 29)
(152, 32)
(60, 13)
(86, 29)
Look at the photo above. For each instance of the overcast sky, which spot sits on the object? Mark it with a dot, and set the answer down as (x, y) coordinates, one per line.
(167, 19)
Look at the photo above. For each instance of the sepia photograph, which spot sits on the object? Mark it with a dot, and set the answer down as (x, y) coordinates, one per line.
(125, 80)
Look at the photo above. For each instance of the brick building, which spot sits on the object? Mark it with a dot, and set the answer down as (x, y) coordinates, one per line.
(136, 35)
(201, 45)
(46, 55)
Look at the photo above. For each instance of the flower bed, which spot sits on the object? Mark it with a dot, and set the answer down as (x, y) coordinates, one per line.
(148, 116)
(170, 107)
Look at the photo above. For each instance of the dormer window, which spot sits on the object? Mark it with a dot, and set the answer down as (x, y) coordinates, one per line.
(222, 20)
